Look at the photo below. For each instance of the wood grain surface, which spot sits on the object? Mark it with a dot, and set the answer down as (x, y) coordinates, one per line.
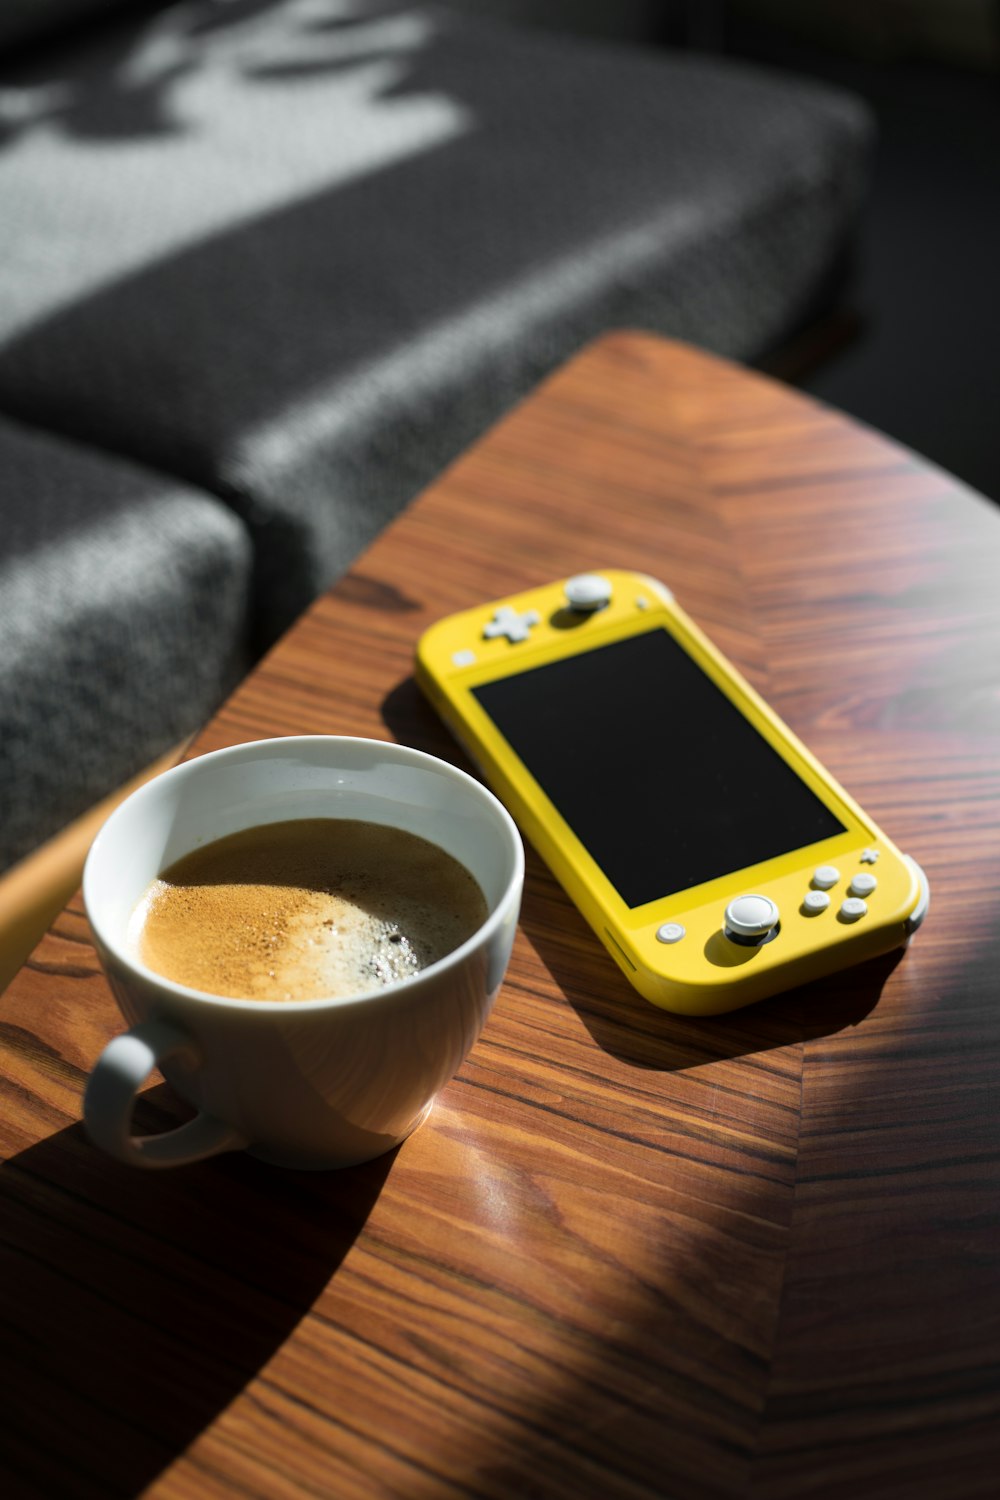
(630, 1254)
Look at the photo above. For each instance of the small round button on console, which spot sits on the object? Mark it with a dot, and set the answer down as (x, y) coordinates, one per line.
(750, 919)
(862, 884)
(587, 593)
(852, 909)
(670, 932)
(813, 902)
(825, 877)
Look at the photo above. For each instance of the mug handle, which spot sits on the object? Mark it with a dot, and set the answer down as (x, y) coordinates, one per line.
(120, 1072)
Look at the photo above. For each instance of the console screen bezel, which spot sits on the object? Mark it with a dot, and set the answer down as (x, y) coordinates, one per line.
(625, 716)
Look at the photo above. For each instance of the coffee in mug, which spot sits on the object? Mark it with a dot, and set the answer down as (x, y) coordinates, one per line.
(298, 1081)
(306, 909)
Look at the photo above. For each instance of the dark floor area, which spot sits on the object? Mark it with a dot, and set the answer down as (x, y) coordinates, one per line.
(923, 360)
(924, 363)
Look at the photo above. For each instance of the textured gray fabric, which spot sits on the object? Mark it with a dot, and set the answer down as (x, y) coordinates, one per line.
(123, 604)
(303, 253)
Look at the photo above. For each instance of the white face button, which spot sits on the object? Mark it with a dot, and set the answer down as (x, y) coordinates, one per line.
(862, 885)
(852, 909)
(670, 932)
(825, 876)
(813, 902)
(751, 916)
(587, 592)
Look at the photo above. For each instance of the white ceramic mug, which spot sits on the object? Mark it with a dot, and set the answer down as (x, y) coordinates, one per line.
(310, 1083)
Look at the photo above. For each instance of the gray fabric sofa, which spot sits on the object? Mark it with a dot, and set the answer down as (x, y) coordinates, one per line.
(267, 265)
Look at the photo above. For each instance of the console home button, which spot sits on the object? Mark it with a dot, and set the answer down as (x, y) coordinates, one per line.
(670, 932)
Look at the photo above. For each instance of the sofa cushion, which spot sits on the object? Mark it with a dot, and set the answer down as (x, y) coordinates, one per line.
(302, 253)
(123, 605)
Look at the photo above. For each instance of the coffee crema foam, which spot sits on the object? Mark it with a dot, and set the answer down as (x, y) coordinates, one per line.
(310, 909)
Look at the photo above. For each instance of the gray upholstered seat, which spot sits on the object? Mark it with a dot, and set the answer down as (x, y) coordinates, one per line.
(301, 254)
(123, 602)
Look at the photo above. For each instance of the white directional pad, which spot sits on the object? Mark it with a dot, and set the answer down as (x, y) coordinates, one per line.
(512, 623)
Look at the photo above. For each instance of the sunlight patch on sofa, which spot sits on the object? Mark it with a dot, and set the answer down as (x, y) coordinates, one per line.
(193, 133)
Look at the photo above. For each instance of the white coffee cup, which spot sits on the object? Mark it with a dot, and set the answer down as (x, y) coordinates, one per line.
(309, 1083)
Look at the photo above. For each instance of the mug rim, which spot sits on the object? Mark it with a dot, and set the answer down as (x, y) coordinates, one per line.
(483, 933)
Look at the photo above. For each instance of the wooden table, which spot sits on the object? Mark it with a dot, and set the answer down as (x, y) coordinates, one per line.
(630, 1255)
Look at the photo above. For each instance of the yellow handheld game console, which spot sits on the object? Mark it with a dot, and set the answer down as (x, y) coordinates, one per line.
(714, 857)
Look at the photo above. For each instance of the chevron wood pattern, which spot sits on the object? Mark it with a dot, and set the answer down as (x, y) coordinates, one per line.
(630, 1254)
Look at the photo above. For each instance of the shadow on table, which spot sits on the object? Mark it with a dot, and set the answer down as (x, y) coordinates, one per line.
(617, 1017)
(622, 1023)
(136, 1306)
(409, 717)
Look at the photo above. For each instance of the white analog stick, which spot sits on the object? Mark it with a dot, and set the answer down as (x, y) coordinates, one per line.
(751, 917)
(587, 592)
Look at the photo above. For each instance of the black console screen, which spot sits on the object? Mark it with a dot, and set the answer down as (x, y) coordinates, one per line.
(659, 775)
